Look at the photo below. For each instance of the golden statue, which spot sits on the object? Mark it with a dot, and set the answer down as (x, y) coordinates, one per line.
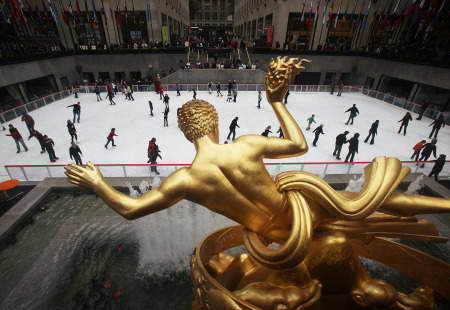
(322, 231)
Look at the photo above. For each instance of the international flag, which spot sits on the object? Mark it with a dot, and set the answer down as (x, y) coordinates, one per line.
(353, 14)
(324, 12)
(47, 18)
(439, 13)
(134, 15)
(375, 14)
(345, 16)
(148, 10)
(365, 16)
(95, 12)
(36, 9)
(310, 15)
(119, 16)
(419, 10)
(317, 12)
(330, 15)
(430, 12)
(64, 13)
(110, 10)
(410, 11)
(12, 13)
(20, 12)
(402, 13)
(52, 11)
(303, 11)
(396, 7)
(125, 9)
(6, 12)
(382, 13)
(57, 14)
(30, 9)
(337, 16)
(387, 13)
(103, 12)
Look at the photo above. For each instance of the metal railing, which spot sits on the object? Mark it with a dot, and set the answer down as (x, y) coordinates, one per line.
(40, 172)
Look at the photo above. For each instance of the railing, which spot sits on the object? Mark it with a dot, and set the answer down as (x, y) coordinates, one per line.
(40, 172)
(400, 102)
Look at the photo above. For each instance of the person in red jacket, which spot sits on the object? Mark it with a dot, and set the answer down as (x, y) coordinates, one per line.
(111, 137)
(151, 145)
(17, 138)
(417, 148)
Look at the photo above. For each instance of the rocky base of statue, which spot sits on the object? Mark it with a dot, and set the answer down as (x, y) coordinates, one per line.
(329, 278)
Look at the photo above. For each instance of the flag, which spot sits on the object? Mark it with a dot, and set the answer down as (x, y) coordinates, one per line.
(330, 15)
(337, 16)
(87, 13)
(402, 13)
(57, 13)
(45, 12)
(396, 7)
(9, 9)
(134, 16)
(317, 13)
(430, 12)
(125, 9)
(17, 13)
(439, 13)
(360, 12)
(387, 13)
(410, 11)
(324, 12)
(375, 14)
(110, 10)
(353, 12)
(310, 15)
(20, 12)
(36, 9)
(419, 10)
(119, 16)
(303, 11)
(6, 12)
(345, 16)
(70, 8)
(30, 9)
(148, 11)
(95, 12)
(365, 16)
(103, 12)
(64, 13)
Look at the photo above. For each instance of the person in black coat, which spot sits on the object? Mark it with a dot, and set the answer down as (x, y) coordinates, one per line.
(352, 148)
(150, 105)
(353, 113)
(72, 130)
(267, 131)
(428, 148)
(437, 168)
(437, 124)
(281, 132)
(233, 126)
(340, 140)
(405, 121)
(154, 154)
(49, 144)
(166, 114)
(372, 132)
(75, 152)
(286, 96)
(318, 131)
(423, 108)
(76, 111)
(218, 90)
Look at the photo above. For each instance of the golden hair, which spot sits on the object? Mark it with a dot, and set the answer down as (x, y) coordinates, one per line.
(197, 118)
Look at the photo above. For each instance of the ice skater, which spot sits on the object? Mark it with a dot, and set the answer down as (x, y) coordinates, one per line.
(194, 92)
(341, 139)
(267, 131)
(166, 114)
(75, 152)
(29, 121)
(218, 90)
(150, 105)
(280, 130)
(423, 108)
(259, 99)
(372, 132)
(49, 144)
(310, 121)
(318, 131)
(72, 130)
(235, 93)
(352, 148)
(405, 121)
(130, 92)
(76, 111)
(353, 113)
(166, 100)
(151, 145)
(15, 134)
(154, 154)
(111, 137)
(209, 87)
(417, 148)
(340, 88)
(437, 168)
(39, 137)
(437, 124)
(428, 148)
(286, 96)
(333, 86)
(233, 126)
(177, 87)
(97, 92)
(110, 96)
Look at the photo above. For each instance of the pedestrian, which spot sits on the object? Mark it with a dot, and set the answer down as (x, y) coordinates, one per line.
(39, 137)
(218, 90)
(423, 108)
(151, 144)
(110, 96)
(333, 86)
(405, 121)
(352, 148)
(75, 152)
(154, 154)
(97, 92)
(437, 168)
(353, 113)
(166, 114)
(49, 144)
(72, 130)
(281, 132)
(233, 126)
(150, 105)
(111, 137)
(209, 87)
(341, 87)
(267, 131)
(194, 92)
(372, 132)
(29, 121)
(15, 134)
(318, 131)
(341, 139)
(178, 89)
(417, 148)
(235, 93)
(428, 148)
(130, 92)
(76, 111)
(286, 96)
(310, 121)
(166, 100)
(437, 124)
(259, 99)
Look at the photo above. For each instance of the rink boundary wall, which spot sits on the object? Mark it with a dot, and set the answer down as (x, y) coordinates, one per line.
(16, 112)
(33, 173)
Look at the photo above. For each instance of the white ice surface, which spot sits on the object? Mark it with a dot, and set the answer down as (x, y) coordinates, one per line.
(135, 127)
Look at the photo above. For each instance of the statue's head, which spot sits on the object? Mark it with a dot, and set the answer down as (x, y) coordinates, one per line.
(197, 118)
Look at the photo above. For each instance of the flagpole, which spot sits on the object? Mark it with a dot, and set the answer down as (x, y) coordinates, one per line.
(359, 30)
(314, 35)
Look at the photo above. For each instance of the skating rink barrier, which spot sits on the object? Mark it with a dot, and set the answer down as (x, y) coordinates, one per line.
(40, 172)
(400, 102)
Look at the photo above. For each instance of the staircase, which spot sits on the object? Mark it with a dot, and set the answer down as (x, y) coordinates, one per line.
(224, 56)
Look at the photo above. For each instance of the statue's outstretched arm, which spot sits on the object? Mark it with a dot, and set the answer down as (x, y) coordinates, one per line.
(277, 84)
(170, 192)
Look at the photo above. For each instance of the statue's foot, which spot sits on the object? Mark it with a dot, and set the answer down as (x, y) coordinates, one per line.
(266, 295)
(375, 292)
(421, 299)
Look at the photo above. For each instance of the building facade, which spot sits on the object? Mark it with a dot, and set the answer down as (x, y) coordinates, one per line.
(213, 16)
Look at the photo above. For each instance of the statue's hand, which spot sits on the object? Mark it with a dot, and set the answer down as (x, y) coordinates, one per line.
(87, 178)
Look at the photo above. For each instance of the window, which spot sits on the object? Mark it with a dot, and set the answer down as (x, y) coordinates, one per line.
(214, 16)
(206, 15)
(222, 15)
